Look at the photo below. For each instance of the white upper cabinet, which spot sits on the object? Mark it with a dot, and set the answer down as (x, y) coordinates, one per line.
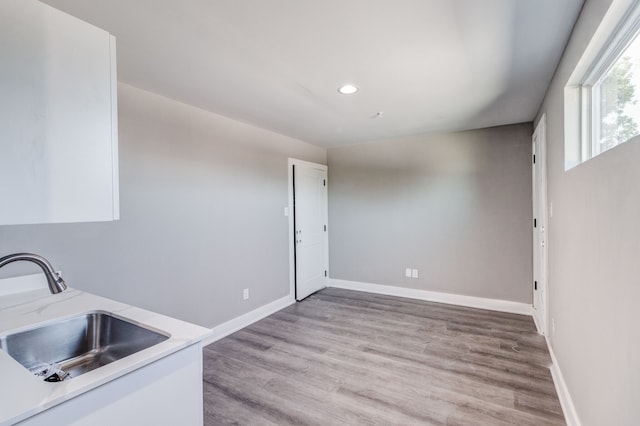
(58, 117)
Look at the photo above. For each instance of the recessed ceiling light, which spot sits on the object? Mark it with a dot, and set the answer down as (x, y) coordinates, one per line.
(347, 89)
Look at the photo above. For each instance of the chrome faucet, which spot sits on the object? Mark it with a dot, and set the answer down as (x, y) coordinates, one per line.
(55, 281)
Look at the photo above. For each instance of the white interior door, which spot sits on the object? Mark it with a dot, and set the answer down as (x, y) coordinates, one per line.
(540, 246)
(310, 228)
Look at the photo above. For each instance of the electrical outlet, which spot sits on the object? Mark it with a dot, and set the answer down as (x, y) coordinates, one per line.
(414, 273)
(245, 294)
(407, 272)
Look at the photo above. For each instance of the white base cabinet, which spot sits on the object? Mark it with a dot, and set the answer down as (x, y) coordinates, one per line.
(166, 392)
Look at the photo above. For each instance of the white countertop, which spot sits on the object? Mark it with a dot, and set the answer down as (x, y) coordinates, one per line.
(22, 394)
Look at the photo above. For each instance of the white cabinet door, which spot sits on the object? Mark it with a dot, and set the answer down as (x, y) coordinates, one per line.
(166, 392)
(58, 117)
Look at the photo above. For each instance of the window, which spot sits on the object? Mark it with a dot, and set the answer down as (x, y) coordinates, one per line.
(602, 99)
(613, 100)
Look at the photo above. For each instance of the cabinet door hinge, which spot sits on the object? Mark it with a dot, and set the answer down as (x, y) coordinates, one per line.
(535, 222)
(325, 273)
(534, 159)
(324, 182)
(535, 285)
(325, 228)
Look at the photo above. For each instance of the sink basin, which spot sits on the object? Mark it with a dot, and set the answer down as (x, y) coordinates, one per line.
(79, 344)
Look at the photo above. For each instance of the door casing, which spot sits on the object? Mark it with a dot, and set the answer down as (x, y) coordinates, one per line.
(541, 229)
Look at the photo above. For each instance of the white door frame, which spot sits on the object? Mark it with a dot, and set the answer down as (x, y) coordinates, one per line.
(540, 214)
(290, 211)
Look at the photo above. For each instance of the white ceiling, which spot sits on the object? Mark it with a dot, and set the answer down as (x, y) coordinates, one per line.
(427, 65)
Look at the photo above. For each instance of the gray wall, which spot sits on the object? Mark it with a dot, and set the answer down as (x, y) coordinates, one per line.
(202, 200)
(455, 206)
(594, 259)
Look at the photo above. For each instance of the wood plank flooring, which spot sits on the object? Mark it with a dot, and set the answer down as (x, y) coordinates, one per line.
(350, 358)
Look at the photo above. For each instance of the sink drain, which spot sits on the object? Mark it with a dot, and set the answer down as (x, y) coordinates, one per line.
(49, 372)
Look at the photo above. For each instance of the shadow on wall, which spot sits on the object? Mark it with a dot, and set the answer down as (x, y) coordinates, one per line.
(455, 206)
(514, 72)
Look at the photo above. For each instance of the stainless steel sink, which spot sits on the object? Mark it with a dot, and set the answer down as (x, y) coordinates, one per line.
(79, 344)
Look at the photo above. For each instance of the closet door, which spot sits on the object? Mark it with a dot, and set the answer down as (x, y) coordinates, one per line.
(310, 204)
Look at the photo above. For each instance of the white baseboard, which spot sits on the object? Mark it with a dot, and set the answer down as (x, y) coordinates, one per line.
(569, 410)
(247, 319)
(433, 296)
(536, 321)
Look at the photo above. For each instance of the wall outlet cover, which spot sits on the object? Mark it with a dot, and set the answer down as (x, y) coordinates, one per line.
(407, 272)
(414, 273)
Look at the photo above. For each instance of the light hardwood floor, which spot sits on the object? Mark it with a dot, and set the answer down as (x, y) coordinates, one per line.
(349, 358)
